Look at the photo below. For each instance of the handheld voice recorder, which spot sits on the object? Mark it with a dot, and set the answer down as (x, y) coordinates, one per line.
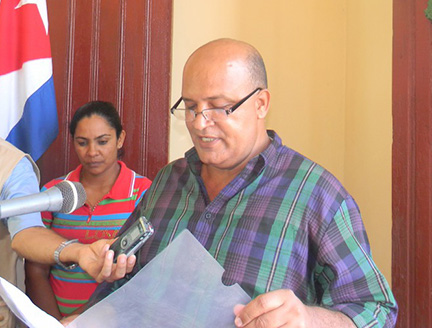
(133, 238)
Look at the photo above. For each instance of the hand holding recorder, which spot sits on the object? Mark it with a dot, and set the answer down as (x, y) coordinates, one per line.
(133, 238)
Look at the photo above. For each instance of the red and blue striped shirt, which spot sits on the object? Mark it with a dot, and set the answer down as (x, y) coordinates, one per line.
(73, 288)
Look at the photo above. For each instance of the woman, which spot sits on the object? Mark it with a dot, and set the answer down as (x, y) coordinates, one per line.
(113, 191)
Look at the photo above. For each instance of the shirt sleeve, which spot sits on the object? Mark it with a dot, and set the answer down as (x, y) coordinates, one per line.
(143, 185)
(350, 281)
(22, 182)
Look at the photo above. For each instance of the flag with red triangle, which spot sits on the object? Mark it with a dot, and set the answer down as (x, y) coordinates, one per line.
(28, 111)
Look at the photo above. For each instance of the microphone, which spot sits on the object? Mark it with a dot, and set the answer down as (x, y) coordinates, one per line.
(64, 197)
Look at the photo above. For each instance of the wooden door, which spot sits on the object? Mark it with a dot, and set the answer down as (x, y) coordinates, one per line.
(117, 51)
(412, 163)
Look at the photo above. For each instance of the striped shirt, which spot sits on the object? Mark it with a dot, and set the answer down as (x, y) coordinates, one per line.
(73, 288)
(283, 223)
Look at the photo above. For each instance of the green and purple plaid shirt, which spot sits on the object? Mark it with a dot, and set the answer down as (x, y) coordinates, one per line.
(283, 222)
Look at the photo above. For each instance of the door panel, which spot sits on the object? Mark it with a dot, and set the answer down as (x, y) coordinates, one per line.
(412, 163)
(117, 51)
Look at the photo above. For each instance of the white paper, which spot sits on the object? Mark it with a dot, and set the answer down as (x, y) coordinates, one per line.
(180, 287)
(24, 309)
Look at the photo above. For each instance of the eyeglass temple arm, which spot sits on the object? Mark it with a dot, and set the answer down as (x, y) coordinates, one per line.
(175, 105)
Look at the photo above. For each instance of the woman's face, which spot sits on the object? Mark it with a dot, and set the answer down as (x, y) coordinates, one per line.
(96, 145)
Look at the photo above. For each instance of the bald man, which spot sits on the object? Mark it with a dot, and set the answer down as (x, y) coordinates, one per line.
(281, 226)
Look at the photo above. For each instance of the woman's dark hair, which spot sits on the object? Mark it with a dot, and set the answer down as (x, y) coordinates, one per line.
(103, 109)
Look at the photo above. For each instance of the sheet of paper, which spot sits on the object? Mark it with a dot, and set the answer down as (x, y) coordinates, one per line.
(24, 309)
(181, 287)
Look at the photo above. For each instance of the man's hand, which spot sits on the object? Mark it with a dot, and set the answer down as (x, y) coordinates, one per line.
(38, 245)
(97, 260)
(281, 308)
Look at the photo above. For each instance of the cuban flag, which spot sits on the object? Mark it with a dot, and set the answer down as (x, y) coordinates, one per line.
(28, 111)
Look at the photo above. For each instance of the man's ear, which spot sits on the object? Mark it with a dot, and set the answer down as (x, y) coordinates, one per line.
(262, 103)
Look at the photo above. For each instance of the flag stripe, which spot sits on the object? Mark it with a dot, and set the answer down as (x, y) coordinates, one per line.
(31, 132)
(17, 87)
(28, 108)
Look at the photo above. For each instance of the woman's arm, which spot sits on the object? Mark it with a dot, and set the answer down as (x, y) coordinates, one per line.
(39, 289)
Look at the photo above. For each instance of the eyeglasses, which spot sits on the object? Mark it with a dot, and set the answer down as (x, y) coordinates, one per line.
(210, 114)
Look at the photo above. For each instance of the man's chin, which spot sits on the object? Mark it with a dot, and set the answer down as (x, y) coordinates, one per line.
(222, 165)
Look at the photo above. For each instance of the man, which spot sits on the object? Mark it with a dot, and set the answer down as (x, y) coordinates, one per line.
(19, 177)
(281, 226)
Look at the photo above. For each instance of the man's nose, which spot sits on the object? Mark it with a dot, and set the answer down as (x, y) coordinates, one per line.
(200, 121)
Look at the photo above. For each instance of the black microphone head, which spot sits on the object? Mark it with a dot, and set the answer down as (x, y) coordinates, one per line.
(74, 195)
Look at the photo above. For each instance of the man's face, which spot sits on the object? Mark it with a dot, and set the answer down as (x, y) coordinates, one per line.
(228, 144)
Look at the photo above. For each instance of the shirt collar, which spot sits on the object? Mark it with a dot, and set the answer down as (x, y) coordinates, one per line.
(123, 186)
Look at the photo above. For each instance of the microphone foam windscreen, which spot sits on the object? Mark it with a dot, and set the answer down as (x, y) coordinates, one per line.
(74, 195)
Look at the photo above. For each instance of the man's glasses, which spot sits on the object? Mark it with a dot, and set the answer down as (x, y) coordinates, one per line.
(210, 114)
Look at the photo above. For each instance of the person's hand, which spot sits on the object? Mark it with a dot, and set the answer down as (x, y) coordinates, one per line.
(97, 260)
(279, 308)
(67, 320)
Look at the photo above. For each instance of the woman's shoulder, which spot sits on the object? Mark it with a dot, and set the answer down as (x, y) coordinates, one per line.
(140, 181)
(55, 181)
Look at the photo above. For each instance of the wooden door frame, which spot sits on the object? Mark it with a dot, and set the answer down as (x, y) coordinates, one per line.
(412, 163)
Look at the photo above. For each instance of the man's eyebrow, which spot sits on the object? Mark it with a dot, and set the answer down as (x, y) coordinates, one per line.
(222, 97)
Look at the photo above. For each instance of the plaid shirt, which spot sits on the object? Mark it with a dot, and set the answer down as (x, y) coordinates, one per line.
(283, 222)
